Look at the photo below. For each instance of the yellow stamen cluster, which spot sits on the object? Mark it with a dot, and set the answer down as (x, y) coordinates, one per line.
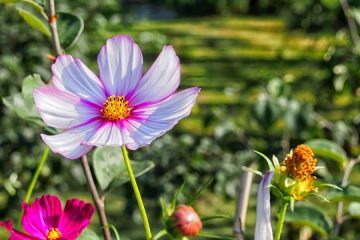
(300, 164)
(115, 108)
(53, 234)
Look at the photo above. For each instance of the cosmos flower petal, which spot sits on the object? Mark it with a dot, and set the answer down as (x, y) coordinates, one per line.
(69, 143)
(76, 217)
(150, 122)
(160, 81)
(120, 64)
(41, 215)
(71, 75)
(263, 229)
(109, 133)
(62, 110)
(15, 234)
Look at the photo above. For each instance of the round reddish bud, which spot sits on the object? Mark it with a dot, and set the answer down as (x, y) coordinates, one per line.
(187, 221)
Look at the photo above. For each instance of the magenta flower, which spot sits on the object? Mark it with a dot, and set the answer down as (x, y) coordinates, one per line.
(121, 107)
(44, 219)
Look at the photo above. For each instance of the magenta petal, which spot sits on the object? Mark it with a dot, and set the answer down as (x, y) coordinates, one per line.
(160, 81)
(149, 122)
(120, 64)
(43, 214)
(15, 234)
(62, 110)
(77, 215)
(71, 75)
(263, 229)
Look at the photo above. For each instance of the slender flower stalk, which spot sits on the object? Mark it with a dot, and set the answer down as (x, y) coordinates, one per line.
(36, 174)
(281, 219)
(137, 193)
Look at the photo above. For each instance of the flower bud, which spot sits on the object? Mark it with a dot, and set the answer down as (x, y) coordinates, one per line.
(187, 221)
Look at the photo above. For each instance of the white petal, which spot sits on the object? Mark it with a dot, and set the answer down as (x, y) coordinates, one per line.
(120, 64)
(109, 133)
(160, 81)
(263, 229)
(149, 122)
(62, 110)
(70, 143)
(72, 76)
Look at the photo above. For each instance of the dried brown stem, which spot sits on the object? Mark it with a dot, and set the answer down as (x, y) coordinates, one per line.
(53, 27)
(242, 205)
(98, 200)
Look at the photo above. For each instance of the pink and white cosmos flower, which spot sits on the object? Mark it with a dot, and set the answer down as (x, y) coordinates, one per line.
(44, 219)
(263, 229)
(119, 108)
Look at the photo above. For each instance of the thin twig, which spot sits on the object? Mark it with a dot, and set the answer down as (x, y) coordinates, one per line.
(340, 218)
(53, 27)
(99, 201)
(323, 121)
(351, 22)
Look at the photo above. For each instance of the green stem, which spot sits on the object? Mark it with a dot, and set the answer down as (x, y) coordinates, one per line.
(160, 234)
(36, 174)
(280, 224)
(137, 193)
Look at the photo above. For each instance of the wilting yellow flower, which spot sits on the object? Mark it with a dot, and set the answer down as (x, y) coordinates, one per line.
(294, 174)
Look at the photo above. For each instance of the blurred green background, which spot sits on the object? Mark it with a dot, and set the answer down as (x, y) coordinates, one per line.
(272, 74)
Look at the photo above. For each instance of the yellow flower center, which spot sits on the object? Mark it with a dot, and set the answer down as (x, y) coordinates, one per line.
(300, 163)
(53, 234)
(115, 108)
(304, 187)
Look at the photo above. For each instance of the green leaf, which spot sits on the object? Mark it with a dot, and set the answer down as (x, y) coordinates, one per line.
(214, 236)
(328, 149)
(176, 196)
(34, 21)
(349, 193)
(354, 209)
(266, 112)
(200, 190)
(117, 235)
(109, 167)
(69, 27)
(331, 4)
(22, 104)
(87, 234)
(209, 218)
(30, 83)
(37, 7)
(8, 1)
(270, 164)
(311, 216)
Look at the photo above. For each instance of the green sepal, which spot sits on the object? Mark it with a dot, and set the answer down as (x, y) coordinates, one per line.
(268, 161)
